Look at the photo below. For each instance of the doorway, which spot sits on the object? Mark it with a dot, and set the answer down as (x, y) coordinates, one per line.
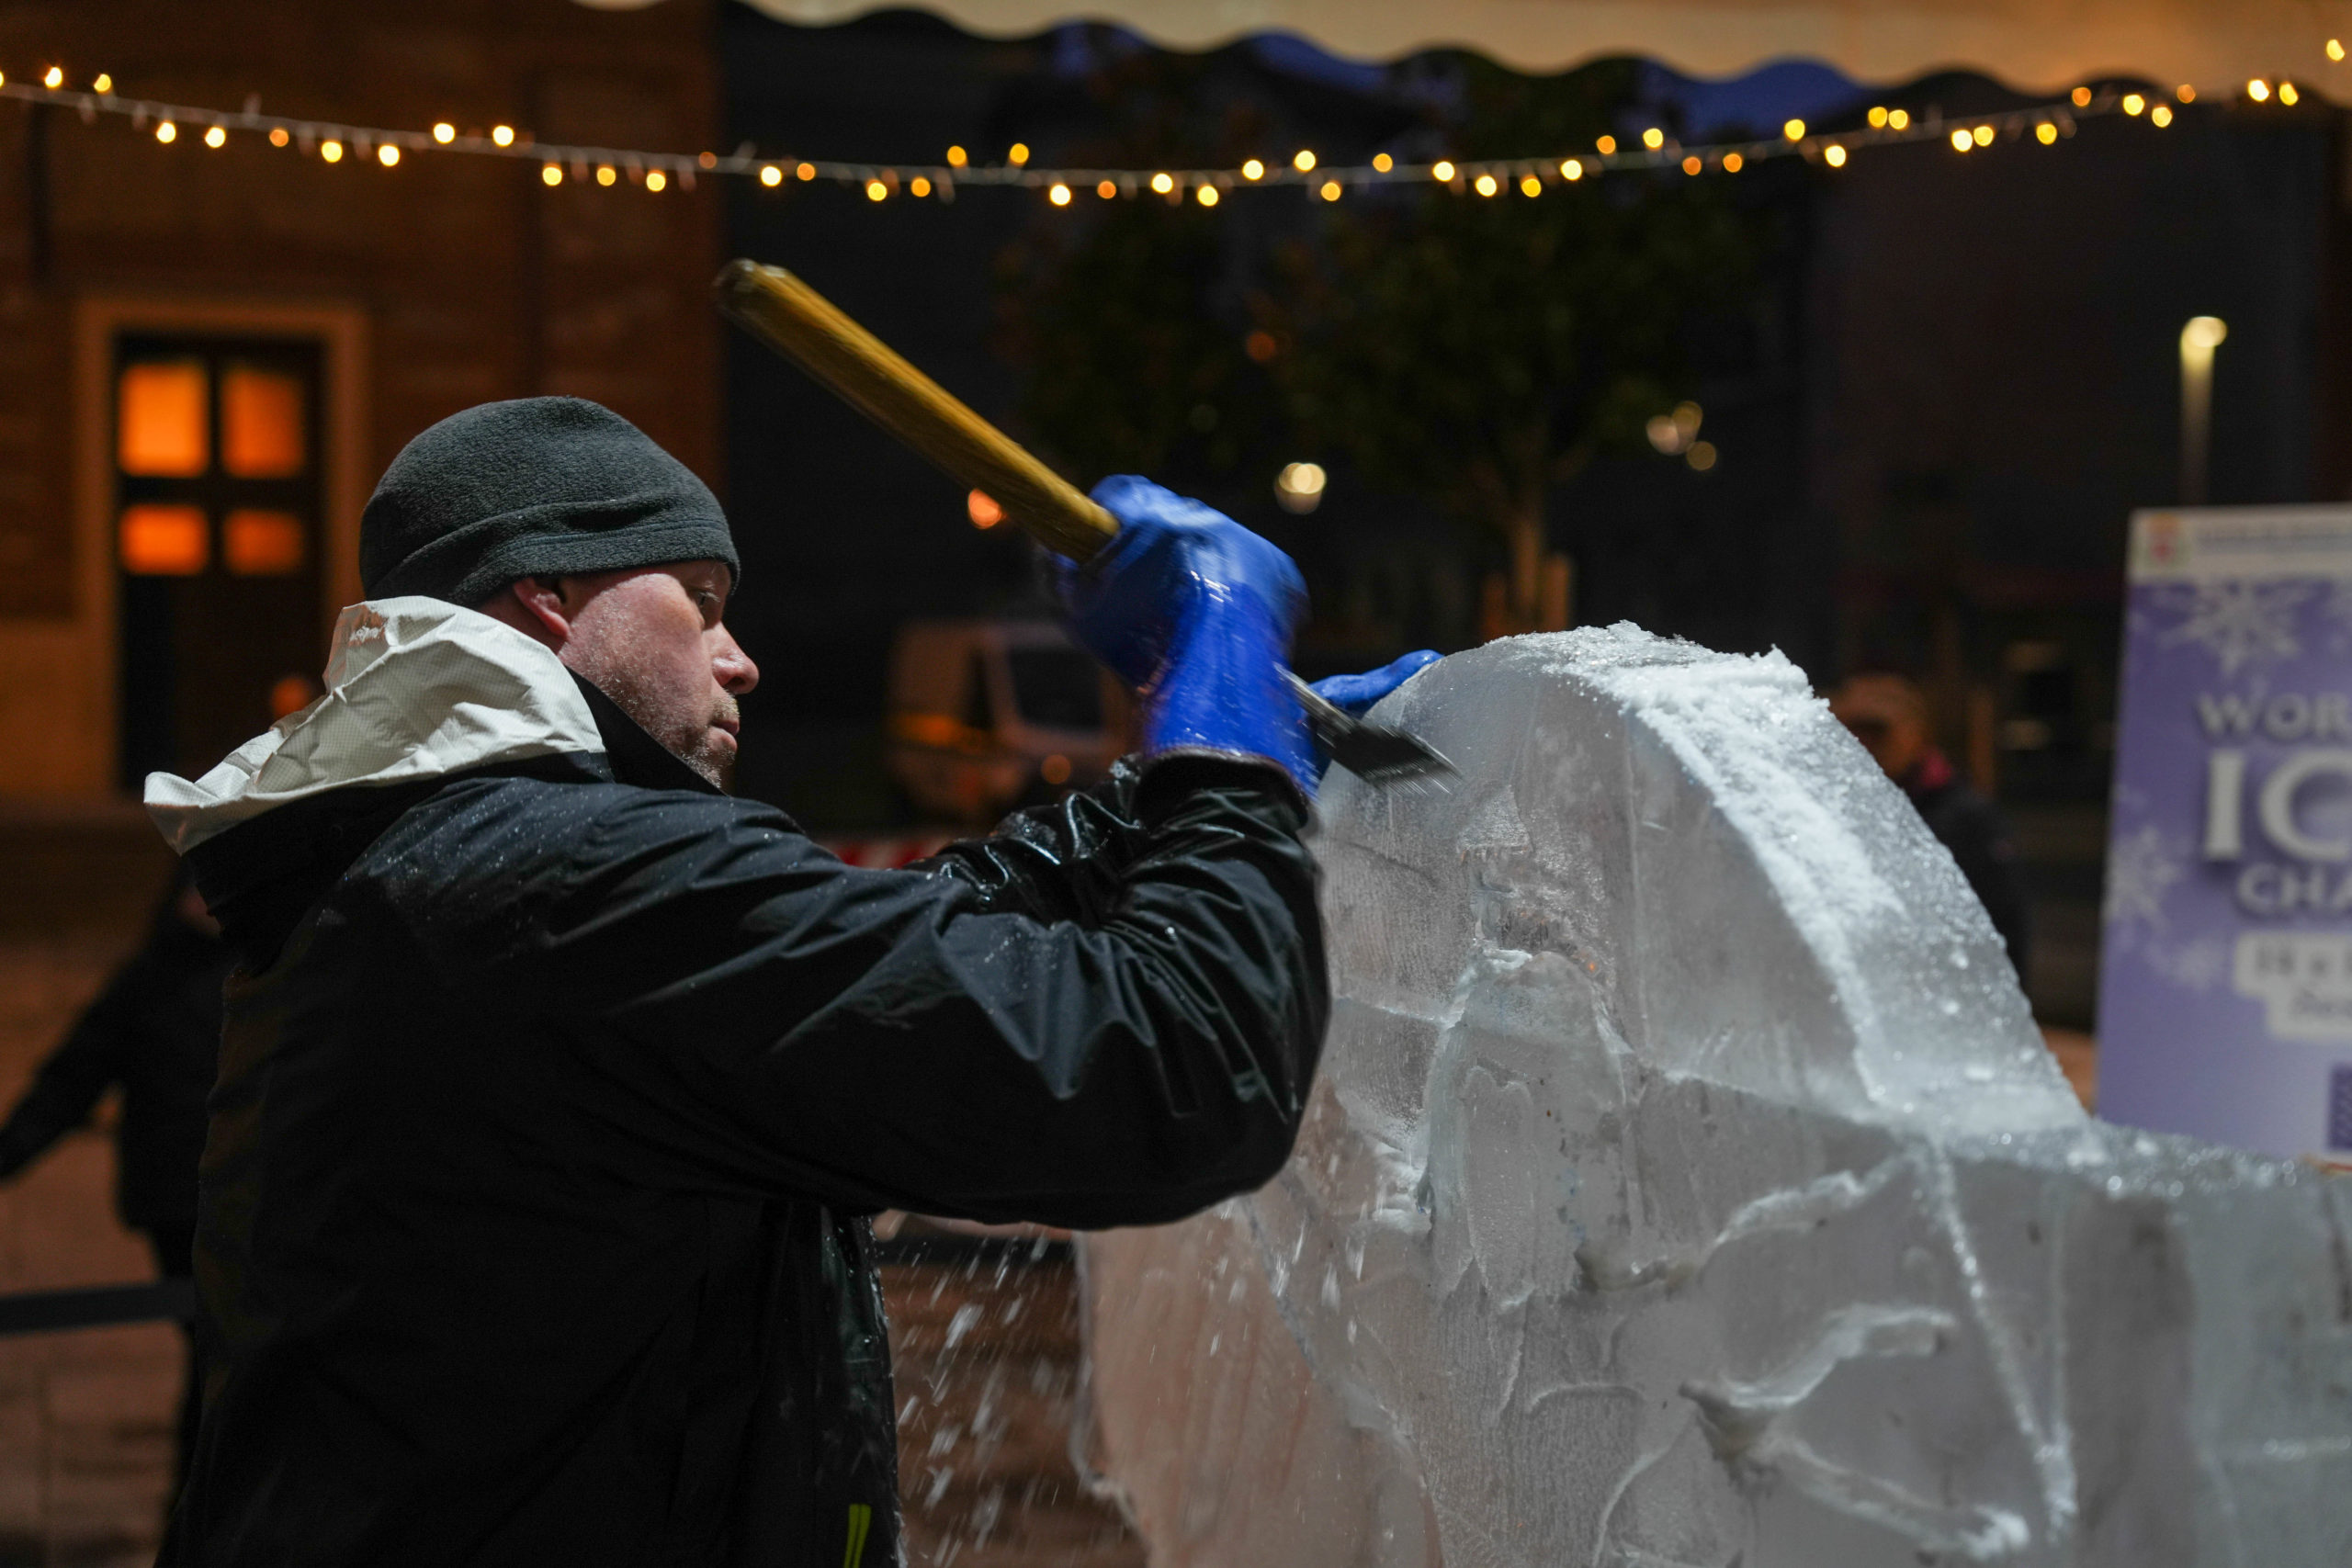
(218, 497)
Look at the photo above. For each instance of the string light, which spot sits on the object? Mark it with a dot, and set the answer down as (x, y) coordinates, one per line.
(2187, 91)
(102, 83)
(658, 171)
(877, 191)
(2335, 49)
(2287, 94)
(1059, 196)
(2258, 90)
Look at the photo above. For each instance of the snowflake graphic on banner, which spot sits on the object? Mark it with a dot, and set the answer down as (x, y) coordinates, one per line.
(2242, 622)
(2139, 871)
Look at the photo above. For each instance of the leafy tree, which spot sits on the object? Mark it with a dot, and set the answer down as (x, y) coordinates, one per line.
(1479, 350)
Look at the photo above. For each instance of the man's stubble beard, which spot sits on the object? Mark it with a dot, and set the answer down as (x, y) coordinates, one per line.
(680, 725)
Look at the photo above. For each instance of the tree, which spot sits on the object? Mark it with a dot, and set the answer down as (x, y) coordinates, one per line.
(1479, 350)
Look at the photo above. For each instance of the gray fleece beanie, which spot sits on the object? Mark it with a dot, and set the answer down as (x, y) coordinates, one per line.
(539, 487)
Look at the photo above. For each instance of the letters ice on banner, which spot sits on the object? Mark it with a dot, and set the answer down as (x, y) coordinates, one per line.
(2225, 987)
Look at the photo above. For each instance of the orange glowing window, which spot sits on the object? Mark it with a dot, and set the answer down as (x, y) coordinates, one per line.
(164, 541)
(160, 420)
(261, 423)
(262, 543)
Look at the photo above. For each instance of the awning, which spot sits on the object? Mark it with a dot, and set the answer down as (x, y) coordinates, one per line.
(2032, 45)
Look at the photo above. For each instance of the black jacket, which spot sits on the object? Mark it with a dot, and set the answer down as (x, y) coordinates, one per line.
(554, 1096)
(155, 1030)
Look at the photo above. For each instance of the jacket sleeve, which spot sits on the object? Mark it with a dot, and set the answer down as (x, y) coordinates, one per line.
(67, 1086)
(1108, 1014)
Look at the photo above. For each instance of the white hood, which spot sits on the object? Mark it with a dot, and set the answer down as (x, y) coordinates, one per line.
(416, 688)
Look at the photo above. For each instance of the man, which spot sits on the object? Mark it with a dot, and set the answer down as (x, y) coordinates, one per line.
(556, 1086)
(1889, 716)
(154, 1031)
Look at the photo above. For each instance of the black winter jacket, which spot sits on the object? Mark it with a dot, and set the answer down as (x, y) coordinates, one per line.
(555, 1095)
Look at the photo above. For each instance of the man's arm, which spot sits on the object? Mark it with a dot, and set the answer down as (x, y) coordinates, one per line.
(67, 1086)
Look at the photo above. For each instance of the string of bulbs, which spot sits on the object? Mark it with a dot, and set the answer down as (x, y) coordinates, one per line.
(1650, 150)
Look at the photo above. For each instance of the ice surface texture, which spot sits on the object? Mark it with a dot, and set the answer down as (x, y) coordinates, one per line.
(1687, 1185)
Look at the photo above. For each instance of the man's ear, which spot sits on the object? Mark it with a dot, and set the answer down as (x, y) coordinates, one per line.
(537, 607)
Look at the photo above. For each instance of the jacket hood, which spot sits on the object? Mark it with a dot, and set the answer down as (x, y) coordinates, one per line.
(416, 688)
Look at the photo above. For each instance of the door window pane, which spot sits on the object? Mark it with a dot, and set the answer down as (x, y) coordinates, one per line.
(261, 423)
(262, 543)
(164, 540)
(160, 420)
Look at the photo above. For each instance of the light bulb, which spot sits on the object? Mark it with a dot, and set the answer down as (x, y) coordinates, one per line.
(1059, 196)
(550, 174)
(331, 150)
(1254, 170)
(1443, 171)
(1793, 129)
(1303, 160)
(1654, 139)
(770, 176)
(216, 138)
(1382, 162)
(606, 173)
(956, 157)
(388, 156)
(503, 135)
(1485, 185)
(166, 132)
(1163, 182)
(1834, 155)
(1206, 195)
(1570, 169)
(1734, 162)
(1018, 154)
(657, 182)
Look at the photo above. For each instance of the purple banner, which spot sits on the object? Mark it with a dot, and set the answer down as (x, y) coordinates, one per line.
(2225, 983)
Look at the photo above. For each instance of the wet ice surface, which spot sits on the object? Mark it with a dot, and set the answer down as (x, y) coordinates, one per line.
(1687, 1185)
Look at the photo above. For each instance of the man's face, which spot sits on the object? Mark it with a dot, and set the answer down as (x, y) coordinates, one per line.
(653, 638)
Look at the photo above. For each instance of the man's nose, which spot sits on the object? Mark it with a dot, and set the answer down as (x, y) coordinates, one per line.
(730, 666)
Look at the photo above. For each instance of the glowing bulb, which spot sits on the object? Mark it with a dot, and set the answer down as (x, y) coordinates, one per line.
(1877, 116)
(1834, 155)
(102, 83)
(216, 138)
(443, 132)
(803, 172)
(2258, 90)
(53, 78)
(1106, 190)
(1652, 139)
(1254, 170)
(1734, 162)
(1382, 162)
(1018, 154)
(1299, 487)
(770, 176)
(2335, 49)
(1897, 119)
(1692, 165)
(277, 137)
(2204, 334)
(1793, 129)
(1605, 146)
(331, 150)
(1059, 196)
(982, 509)
(166, 132)
(1163, 182)
(1961, 141)
(388, 156)
(956, 157)
(1443, 171)
(877, 191)
(605, 173)
(658, 181)
(2186, 93)
(1983, 136)
(1205, 196)
(1571, 170)
(1701, 455)
(919, 186)
(1330, 191)
(1486, 185)
(708, 160)
(2047, 133)
(1303, 160)
(1530, 186)
(2133, 103)
(2287, 94)
(550, 174)
(2160, 117)
(503, 135)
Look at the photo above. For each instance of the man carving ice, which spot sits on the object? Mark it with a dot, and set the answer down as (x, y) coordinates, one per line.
(557, 1085)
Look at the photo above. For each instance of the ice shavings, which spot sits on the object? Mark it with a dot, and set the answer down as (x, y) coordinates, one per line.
(1686, 1186)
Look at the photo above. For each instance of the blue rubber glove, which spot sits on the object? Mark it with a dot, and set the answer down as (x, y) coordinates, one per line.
(1195, 612)
(1354, 694)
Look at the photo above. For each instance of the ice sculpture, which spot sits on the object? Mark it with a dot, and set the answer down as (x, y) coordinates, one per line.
(1687, 1185)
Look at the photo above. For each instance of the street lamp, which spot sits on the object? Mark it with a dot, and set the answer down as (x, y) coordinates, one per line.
(2199, 338)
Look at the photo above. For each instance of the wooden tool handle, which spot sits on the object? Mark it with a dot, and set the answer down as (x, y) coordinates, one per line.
(802, 325)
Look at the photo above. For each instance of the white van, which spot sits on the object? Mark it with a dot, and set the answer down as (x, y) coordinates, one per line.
(986, 715)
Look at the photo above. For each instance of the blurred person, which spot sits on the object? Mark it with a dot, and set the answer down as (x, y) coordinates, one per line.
(1889, 716)
(154, 1032)
(558, 1087)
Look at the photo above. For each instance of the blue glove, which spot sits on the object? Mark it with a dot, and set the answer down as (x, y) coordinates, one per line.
(1195, 612)
(1354, 694)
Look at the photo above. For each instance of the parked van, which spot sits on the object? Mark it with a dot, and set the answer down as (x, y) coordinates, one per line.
(986, 715)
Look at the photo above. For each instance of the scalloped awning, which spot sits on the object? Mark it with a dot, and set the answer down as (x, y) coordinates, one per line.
(2032, 45)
